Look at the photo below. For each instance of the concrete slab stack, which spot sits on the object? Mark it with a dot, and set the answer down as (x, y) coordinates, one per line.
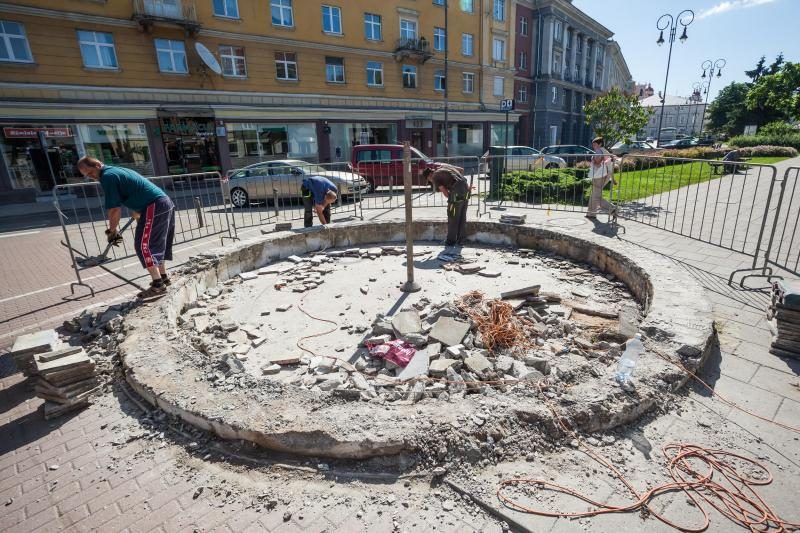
(785, 310)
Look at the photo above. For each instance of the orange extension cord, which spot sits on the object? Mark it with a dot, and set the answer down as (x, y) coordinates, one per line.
(700, 472)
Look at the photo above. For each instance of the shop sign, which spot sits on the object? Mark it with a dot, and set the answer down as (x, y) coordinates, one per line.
(32, 133)
(419, 124)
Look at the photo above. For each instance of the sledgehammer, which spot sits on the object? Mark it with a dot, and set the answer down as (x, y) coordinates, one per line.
(86, 262)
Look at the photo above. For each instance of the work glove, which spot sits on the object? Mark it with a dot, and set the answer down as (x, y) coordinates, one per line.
(113, 238)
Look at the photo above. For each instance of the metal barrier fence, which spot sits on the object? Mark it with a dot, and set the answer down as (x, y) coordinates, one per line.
(723, 203)
(527, 179)
(385, 181)
(200, 212)
(783, 249)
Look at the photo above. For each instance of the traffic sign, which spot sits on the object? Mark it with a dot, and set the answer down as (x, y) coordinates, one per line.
(507, 105)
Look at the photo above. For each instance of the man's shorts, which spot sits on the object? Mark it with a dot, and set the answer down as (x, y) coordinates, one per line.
(155, 232)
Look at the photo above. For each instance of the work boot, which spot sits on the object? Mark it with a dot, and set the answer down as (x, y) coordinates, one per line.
(156, 288)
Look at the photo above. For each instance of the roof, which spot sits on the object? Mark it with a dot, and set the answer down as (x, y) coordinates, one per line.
(655, 101)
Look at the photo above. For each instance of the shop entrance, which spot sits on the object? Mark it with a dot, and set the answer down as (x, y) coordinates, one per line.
(39, 157)
(190, 144)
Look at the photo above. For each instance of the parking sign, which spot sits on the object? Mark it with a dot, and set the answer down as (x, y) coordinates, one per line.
(507, 105)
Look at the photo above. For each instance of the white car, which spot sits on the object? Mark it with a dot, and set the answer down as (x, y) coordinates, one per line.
(282, 179)
(521, 158)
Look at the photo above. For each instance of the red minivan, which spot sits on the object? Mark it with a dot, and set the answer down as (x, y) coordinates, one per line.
(382, 165)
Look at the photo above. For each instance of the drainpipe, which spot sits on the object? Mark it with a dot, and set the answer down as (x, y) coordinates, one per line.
(480, 56)
(536, 70)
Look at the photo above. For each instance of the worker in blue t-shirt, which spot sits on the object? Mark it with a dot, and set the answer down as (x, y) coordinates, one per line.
(318, 192)
(155, 213)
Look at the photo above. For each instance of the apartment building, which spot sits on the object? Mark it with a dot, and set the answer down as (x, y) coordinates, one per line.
(683, 116)
(564, 59)
(177, 86)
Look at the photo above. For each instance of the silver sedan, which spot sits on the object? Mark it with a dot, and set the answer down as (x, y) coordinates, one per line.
(282, 179)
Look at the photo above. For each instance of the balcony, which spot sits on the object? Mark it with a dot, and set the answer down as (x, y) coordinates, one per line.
(182, 13)
(419, 49)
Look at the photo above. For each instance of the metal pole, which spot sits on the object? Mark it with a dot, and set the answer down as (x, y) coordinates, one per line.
(666, 80)
(446, 84)
(505, 148)
(410, 285)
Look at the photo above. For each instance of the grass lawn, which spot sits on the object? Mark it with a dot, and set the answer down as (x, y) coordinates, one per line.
(648, 182)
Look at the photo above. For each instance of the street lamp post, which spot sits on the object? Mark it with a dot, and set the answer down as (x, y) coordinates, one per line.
(697, 91)
(671, 23)
(709, 68)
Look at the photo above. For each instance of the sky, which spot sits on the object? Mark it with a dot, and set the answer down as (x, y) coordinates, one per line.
(739, 31)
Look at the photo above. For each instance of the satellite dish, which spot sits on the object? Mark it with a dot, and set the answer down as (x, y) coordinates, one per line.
(208, 58)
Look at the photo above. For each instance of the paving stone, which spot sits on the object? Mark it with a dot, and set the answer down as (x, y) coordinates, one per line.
(478, 364)
(439, 366)
(418, 366)
(406, 322)
(449, 331)
(39, 342)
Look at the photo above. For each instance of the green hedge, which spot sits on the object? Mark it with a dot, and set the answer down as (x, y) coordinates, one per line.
(767, 151)
(791, 140)
(546, 186)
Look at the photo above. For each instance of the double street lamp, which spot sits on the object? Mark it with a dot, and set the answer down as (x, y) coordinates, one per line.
(670, 23)
(709, 69)
(698, 90)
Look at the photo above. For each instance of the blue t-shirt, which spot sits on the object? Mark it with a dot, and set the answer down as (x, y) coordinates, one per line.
(123, 186)
(319, 187)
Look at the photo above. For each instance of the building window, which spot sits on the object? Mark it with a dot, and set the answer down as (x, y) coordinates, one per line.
(233, 63)
(409, 77)
(226, 8)
(439, 39)
(372, 27)
(334, 69)
(555, 94)
(557, 62)
(468, 84)
(14, 43)
(97, 49)
(118, 144)
(286, 65)
(466, 44)
(523, 26)
(523, 60)
(171, 56)
(498, 49)
(332, 20)
(559, 30)
(522, 94)
(438, 2)
(467, 6)
(500, 10)
(439, 80)
(499, 88)
(408, 29)
(374, 74)
(282, 13)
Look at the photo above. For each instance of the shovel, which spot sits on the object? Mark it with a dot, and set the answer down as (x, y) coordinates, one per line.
(86, 262)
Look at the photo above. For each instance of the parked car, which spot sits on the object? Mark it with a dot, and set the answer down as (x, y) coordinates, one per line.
(705, 141)
(521, 158)
(622, 148)
(571, 153)
(381, 165)
(679, 143)
(283, 178)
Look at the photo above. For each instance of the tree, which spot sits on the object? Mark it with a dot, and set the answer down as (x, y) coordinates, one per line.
(777, 95)
(728, 113)
(757, 72)
(775, 67)
(616, 116)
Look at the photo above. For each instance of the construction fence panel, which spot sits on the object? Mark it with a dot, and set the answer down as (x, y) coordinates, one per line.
(269, 193)
(783, 247)
(524, 179)
(724, 203)
(386, 189)
(200, 212)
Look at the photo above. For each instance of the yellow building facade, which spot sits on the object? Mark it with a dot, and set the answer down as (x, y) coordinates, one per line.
(176, 86)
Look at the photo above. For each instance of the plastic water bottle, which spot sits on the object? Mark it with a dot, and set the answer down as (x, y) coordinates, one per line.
(627, 362)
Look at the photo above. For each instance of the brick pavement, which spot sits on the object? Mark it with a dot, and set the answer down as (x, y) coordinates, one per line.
(144, 485)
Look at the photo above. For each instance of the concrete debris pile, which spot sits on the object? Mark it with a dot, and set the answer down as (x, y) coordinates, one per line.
(512, 219)
(785, 310)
